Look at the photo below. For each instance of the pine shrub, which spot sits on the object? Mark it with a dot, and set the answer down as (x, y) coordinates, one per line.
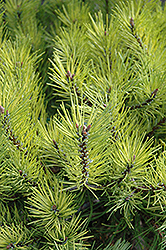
(83, 125)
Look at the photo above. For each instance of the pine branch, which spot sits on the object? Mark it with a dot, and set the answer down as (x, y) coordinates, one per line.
(9, 132)
(76, 89)
(133, 30)
(127, 171)
(103, 161)
(83, 139)
(156, 127)
(145, 103)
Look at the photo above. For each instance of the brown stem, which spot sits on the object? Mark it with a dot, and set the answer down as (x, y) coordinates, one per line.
(83, 149)
(132, 27)
(156, 127)
(107, 6)
(153, 95)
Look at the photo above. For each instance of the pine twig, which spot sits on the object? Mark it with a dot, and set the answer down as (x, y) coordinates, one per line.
(127, 171)
(75, 87)
(146, 102)
(132, 27)
(157, 126)
(83, 138)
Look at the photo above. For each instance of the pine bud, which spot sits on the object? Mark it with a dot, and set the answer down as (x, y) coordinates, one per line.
(54, 207)
(132, 22)
(133, 157)
(1, 110)
(84, 127)
(20, 171)
(138, 39)
(153, 94)
(54, 142)
(84, 133)
(66, 238)
(63, 242)
(9, 246)
(88, 128)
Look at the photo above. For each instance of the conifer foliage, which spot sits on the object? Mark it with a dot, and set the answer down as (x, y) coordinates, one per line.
(82, 125)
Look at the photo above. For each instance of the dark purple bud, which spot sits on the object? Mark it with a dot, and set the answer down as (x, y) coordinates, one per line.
(54, 207)
(84, 127)
(63, 242)
(54, 142)
(84, 133)
(77, 126)
(10, 246)
(133, 157)
(132, 22)
(20, 171)
(88, 128)
(66, 238)
(154, 93)
(1, 110)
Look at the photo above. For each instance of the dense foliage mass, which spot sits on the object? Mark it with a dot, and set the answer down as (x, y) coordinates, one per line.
(83, 125)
